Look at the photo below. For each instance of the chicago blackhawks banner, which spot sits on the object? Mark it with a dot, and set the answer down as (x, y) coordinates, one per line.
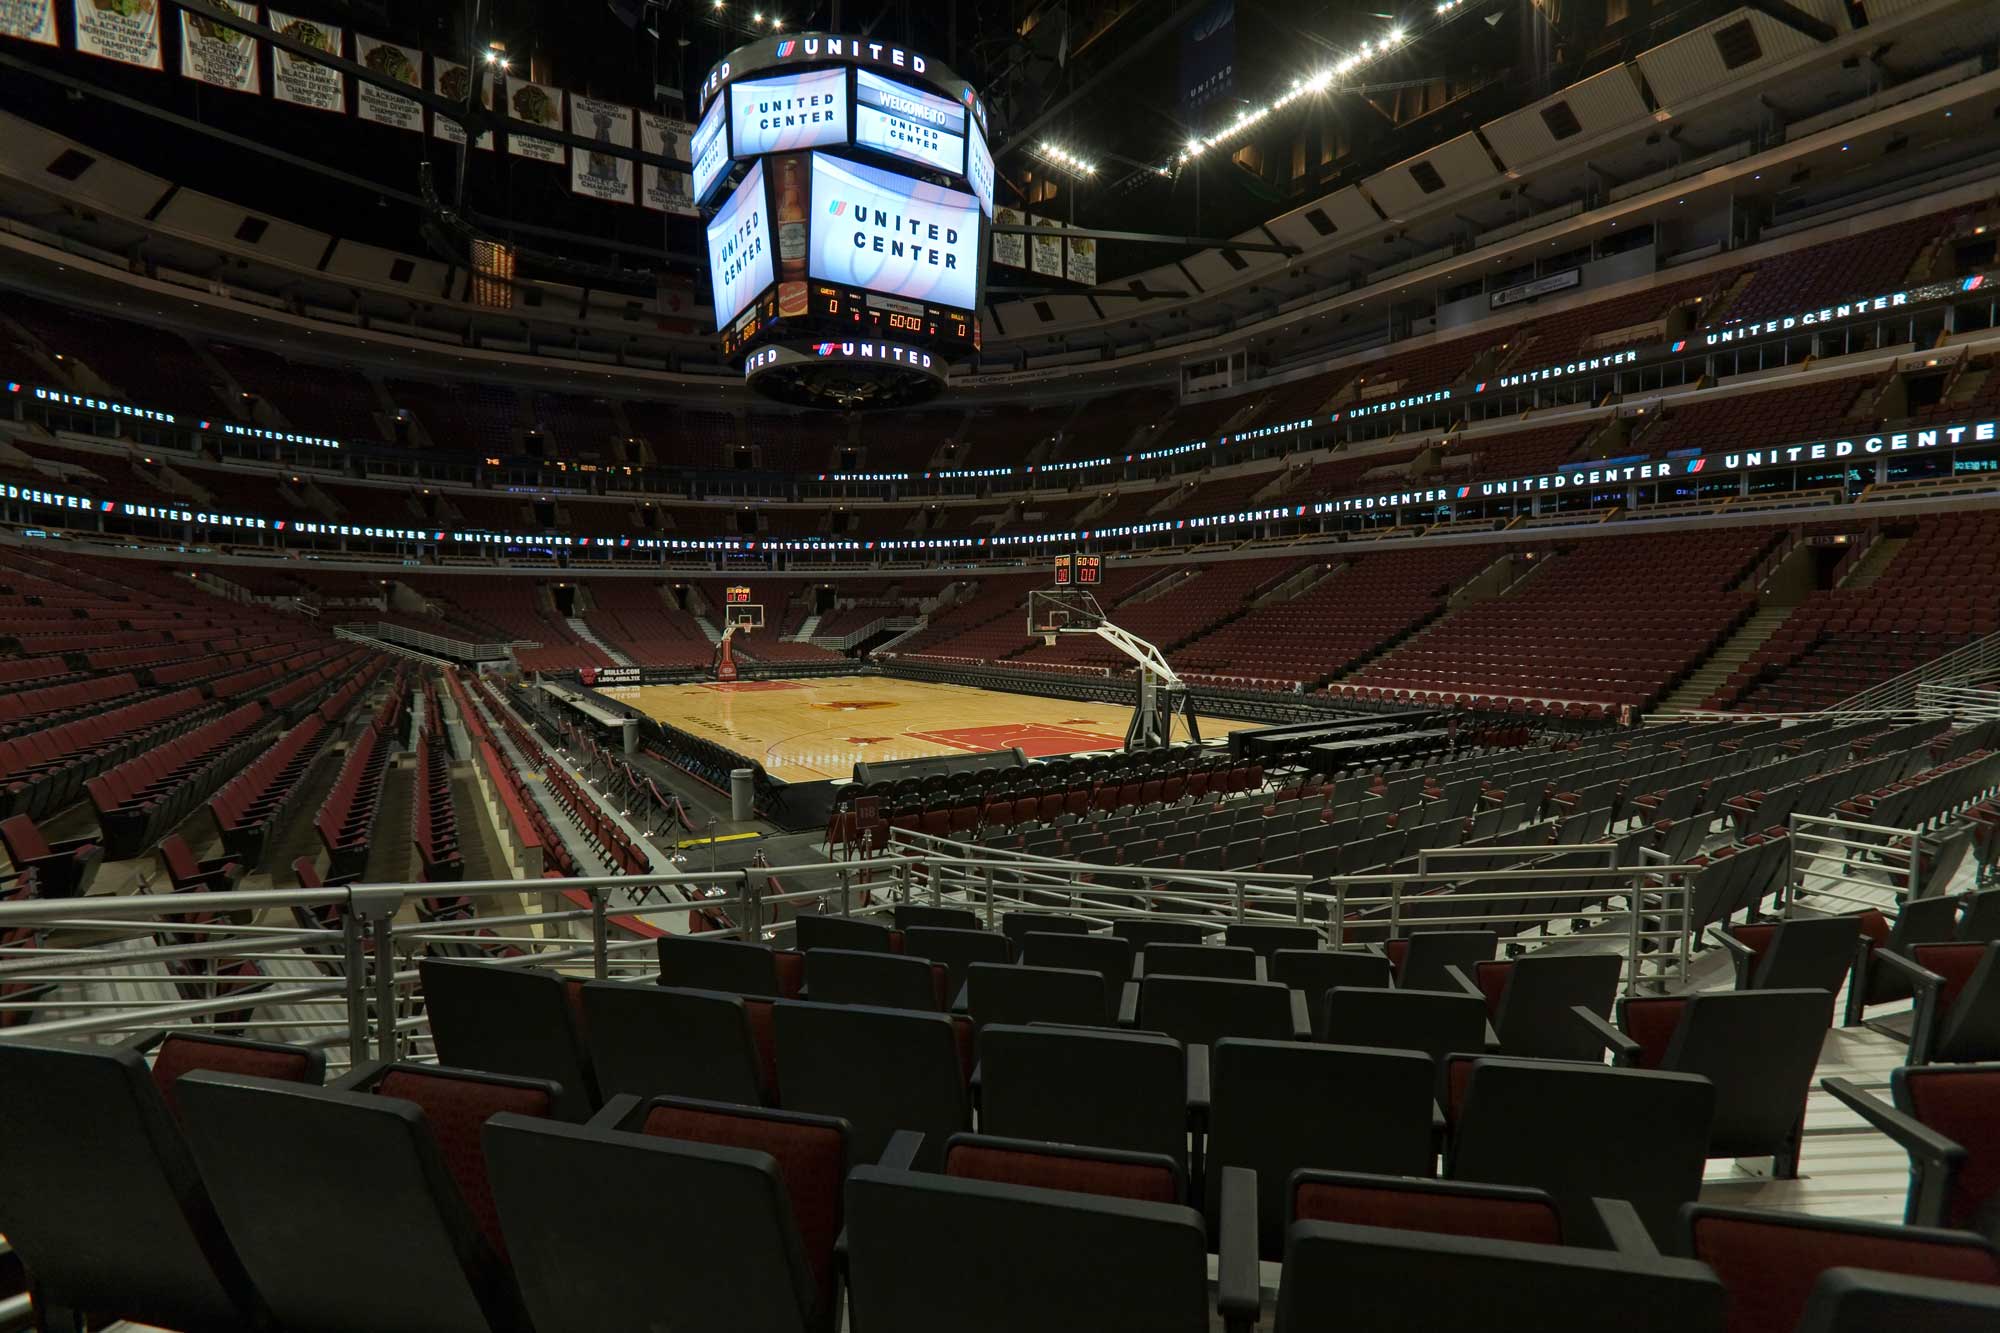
(662, 190)
(212, 53)
(30, 20)
(601, 175)
(534, 104)
(1045, 253)
(449, 79)
(304, 82)
(1083, 260)
(127, 31)
(403, 64)
(1010, 248)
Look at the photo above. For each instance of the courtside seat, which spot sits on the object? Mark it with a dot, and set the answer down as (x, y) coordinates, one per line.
(117, 1223)
(997, 1258)
(1583, 1131)
(880, 1070)
(283, 1163)
(572, 1198)
(1757, 1048)
(1399, 1281)
(665, 1041)
(1770, 1261)
(1123, 1090)
(1947, 1117)
(63, 869)
(1412, 1202)
(1276, 1107)
(740, 967)
(509, 1020)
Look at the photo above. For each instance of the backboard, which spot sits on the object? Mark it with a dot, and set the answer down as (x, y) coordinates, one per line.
(743, 615)
(1062, 611)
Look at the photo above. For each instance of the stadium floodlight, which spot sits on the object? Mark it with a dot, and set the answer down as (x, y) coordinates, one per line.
(1056, 155)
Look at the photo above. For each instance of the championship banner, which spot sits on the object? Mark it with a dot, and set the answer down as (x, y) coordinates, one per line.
(662, 190)
(224, 57)
(601, 175)
(452, 80)
(1083, 260)
(1010, 248)
(405, 65)
(30, 20)
(304, 82)
(1047, 251)
(127, 31)
(540, 106)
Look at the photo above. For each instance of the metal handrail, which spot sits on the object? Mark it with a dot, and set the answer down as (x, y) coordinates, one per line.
(1979, 659)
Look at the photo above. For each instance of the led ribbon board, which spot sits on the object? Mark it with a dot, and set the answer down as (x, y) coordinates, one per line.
(901, 121)
(887, 233)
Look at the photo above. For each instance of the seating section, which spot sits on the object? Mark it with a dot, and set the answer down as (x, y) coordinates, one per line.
(433, 820)
(1793, 413)
(633, 616)
(346, 820)
(1866, 265)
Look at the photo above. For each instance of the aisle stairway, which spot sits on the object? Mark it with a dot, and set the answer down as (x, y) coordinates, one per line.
(582, 630)
(1878, 558)
(1737, 649)
(807, 628)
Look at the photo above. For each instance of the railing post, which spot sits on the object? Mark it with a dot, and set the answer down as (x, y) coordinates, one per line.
(600, 939)
(1687, 924)
(1632, 942)
(846, 890)
(903, 881)
(1396, 909)
(1338, 935)
(989, 895)
(753, 924)
(382, 929)
(357, 982)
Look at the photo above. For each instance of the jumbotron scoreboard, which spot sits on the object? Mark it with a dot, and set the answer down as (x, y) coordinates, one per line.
(852, 189)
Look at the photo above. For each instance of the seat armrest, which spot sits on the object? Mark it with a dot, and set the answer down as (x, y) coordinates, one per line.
(143, 1042)
(1238, 1294)
(1624, 1050)
(1627, 1230)
(1197, 1084)
(362, 1077)
(1934, 1159)
(1737, 948)
(617, 1109)
(900, 1154)
(1128, 1005)
(1925, 986)
(1302, 1023)
(1464, 982)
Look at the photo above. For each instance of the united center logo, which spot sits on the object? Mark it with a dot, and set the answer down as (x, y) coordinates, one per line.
(898, 235)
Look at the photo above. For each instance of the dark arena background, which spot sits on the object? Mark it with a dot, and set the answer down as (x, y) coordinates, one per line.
(1135, 665)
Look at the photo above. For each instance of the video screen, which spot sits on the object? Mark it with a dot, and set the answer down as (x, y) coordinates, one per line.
(787, 113)
(979, 170)
(887, 233)
(907, 122)
(709, 150)
(739, 248)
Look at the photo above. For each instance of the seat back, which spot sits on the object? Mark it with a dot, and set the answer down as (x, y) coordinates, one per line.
(1142, 932)
(509, 1020)
(738, 967)
(1980, 923)
(179, 859)
(1277, 1106)
(1017, 926)
(1533, 1018)
(1314, 972)
(1438, 1023)
(1769, 1261)
(1580, 1131)
(1760, 1049)
(955, 951)
(852, 976)
(1962, 1103)
(1266, 938)
(811, 1152)
(1423, 957)
(1804, 952)
(1970, 1028)
(116, 1221)
(909, 916)
(1203, 1010)
(1198, 960)
(665, 1041)
(184, 1052)
(1393, 1281)
(880, 1070)
(283, 1163)
(1003, 993)
(1107, 955)
(572, 1198)
(1120, 1090)
(1417, 1203)
(909, 1234)
(1855, 1300)
(816, 931)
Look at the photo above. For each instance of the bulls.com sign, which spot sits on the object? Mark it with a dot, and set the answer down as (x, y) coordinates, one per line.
(886, 233)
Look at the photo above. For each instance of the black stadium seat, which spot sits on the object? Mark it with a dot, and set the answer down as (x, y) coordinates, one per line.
(660, 1040)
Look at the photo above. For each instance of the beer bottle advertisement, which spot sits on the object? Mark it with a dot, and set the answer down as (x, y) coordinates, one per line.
(790, 208)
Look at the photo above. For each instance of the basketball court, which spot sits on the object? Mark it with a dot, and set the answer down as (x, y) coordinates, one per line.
(807, 730)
